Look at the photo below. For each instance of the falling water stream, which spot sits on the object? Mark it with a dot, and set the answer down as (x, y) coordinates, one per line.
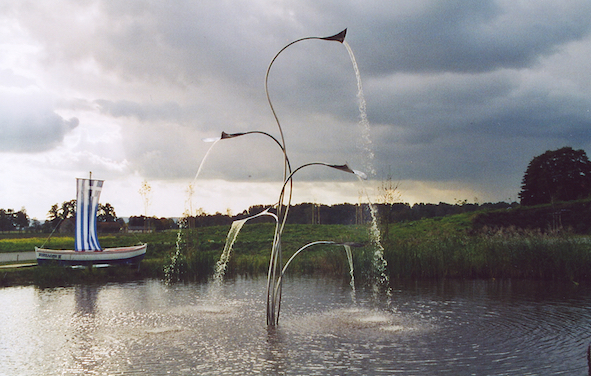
(221, 265)
(172, 269)
(379, 263)
(363, 122)
(351, 271)
(215, 141)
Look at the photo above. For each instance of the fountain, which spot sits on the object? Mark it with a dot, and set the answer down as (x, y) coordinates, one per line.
(277, 269)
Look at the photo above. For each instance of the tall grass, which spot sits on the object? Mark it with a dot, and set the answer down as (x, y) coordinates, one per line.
(28, 243)
(504, 253)
(430, 248)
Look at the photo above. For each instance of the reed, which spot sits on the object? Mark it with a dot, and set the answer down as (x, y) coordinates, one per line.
(429, 248)
(504, 253)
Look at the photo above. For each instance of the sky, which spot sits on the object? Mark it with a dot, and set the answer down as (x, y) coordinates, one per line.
(460, 95)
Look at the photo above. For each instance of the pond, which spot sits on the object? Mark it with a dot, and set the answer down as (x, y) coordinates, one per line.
(424, 328)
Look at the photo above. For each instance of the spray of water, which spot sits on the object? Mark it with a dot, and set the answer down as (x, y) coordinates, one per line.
(172, 271)
(379, 264)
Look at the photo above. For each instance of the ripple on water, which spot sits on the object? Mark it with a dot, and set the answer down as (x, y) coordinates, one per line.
(356, 322)
(164, 329)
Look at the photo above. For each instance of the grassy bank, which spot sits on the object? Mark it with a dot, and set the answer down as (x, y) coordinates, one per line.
(448, 247)
(200, 249)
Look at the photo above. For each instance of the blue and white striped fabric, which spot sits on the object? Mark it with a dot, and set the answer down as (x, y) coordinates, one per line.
(87, 199)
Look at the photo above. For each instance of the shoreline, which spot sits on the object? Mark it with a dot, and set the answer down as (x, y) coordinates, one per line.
(17, 256)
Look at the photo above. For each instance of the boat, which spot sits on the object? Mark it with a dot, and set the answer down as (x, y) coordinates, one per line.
(88, 251)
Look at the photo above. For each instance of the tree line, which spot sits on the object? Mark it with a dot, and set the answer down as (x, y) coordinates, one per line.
(61, 217)
(554, 176)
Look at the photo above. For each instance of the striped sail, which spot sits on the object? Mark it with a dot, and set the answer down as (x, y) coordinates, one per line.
(87, 199)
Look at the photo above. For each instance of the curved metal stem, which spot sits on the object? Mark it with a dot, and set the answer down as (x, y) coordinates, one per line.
(339, 37)
(274, 277)
(225, 136)
(278, 285)
(276, 256)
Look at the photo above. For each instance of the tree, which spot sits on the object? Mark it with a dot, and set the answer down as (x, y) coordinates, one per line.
(557, 175)
(106, 213)
(53, 213)
(21, 219)
(36, 225)
(388, 197)
(11, 220)
(6, 223)
(68, 209)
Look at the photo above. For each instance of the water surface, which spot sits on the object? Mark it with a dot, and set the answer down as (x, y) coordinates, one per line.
(427, 328)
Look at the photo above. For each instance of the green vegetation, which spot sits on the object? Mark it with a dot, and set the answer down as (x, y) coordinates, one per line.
(487, 244)
(451, 248)
(200, 250)
(556, 175)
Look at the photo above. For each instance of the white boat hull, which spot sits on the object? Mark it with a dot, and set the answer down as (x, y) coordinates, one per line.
(122, 255)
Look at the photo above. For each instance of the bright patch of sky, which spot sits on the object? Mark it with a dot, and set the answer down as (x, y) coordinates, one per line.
(461, 95)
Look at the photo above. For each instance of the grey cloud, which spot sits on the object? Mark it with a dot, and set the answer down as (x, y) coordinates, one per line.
(141, 111)
(34, 132)
(468, 36)
(446, 82)
(187, 42)
(28, 122)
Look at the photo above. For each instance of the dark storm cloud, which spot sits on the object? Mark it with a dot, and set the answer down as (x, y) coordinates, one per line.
(466, 36)
(492, 104)
(458, 89)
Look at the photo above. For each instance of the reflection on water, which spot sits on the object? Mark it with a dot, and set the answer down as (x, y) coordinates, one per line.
(430, 328)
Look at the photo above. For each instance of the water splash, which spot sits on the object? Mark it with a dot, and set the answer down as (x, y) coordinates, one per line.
(379, 264)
